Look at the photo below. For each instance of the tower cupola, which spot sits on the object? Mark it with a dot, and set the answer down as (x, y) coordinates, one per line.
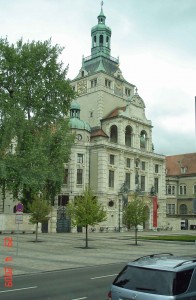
(101, 36)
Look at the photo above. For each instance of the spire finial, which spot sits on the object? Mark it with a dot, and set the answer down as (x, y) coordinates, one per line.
(102, 4)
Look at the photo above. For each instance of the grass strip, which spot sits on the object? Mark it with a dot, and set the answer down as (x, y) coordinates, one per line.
(180, 238)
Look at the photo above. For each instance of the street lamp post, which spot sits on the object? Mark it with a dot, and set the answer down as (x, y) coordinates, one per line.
(119, 214)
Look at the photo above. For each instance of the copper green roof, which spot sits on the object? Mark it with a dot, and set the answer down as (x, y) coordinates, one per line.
(75, 105)
(76, 123)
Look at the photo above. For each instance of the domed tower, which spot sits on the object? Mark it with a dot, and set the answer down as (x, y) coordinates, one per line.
(75, 122)
(101, 36)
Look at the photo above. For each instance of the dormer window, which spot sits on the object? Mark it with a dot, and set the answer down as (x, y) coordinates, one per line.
(183, 170)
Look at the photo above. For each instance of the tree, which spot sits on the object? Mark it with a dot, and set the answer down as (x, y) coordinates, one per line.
(85, 210)
(35, 139)
(135, 213)
(39, 210)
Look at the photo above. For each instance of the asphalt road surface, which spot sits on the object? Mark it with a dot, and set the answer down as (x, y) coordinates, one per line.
(88, 283)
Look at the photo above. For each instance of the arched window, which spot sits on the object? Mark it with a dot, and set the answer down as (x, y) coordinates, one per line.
(183, 209)
(128, 136)
(101, 40)
(107, 41)
(94, 41)
(113, 134)
(143, 137)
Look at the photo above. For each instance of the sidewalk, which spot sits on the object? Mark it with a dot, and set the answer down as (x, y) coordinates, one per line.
(67, 250)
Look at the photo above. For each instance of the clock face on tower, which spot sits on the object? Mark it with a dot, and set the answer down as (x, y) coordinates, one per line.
(78, 137)
(82, 87)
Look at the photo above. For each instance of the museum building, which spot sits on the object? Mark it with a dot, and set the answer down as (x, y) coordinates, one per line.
(113, 151)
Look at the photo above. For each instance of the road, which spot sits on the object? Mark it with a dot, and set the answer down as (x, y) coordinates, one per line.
(88, 283)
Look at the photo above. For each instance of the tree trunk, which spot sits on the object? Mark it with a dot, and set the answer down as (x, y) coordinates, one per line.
(36, 232)
(86, 227)
(135, 235)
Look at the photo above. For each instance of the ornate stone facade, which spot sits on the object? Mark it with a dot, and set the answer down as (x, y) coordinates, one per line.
(119, 150)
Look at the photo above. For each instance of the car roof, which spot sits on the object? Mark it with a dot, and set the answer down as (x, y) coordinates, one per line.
(164, 261)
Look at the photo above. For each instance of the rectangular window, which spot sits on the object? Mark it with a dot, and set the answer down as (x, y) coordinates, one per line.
(170, 209)
(111, 159)
(107, 83)
(111, 178)
(169, 189)
(156, 168)
(93, 83)
(80, 158)
(143, 165)
(66, 176)
(173, 190)
(128, 180)
(127, 92)
(142, 183)
(156, 185)
(182, 189)
(194, 189)
(79, 176)
(128, 163)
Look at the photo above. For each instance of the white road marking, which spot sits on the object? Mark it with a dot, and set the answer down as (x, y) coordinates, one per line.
(80, 298)
(104, 276)
(30, 287)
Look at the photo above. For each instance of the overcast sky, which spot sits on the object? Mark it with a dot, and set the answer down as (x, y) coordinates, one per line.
(154, 39)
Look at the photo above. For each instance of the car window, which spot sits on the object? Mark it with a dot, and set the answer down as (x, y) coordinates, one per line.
(181, 282)
(146, 280)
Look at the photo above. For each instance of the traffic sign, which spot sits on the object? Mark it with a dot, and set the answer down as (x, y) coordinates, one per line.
(19, 218)
(19, 207)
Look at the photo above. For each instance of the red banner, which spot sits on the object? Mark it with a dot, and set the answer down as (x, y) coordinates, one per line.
(155, 207)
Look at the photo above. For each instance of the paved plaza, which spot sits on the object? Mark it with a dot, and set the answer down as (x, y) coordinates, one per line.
(67, 250)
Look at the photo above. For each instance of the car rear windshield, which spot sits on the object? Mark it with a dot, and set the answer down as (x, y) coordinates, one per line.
(153, 281)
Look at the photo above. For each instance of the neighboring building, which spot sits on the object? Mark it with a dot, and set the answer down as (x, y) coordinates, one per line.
(113, 151)
(181, 190)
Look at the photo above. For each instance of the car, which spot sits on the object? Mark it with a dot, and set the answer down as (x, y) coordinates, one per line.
(159, 276)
